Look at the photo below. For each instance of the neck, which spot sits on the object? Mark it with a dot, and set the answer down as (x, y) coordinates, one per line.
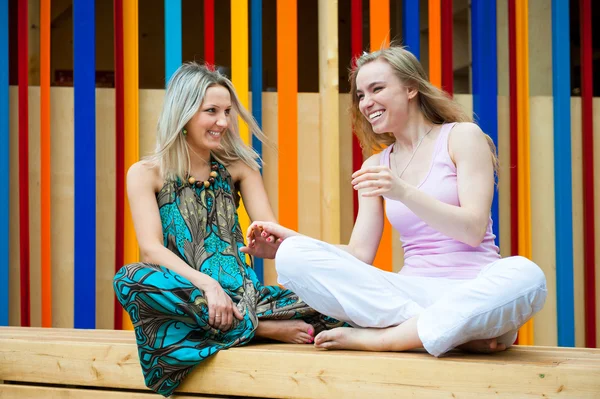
(199, 158)
(413, 131)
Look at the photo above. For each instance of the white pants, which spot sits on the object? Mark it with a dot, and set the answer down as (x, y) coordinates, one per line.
(451, 312)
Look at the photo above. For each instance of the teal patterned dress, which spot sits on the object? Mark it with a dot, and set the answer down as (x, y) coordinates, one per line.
(169, 314)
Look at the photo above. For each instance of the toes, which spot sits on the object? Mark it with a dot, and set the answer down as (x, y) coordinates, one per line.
(310, 331)
(321, 337)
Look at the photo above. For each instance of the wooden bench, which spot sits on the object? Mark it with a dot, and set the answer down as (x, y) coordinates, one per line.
(65, 363)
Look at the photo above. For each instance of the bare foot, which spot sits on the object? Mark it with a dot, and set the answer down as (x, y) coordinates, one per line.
(289, 331)
(483, 346)
(399, 338)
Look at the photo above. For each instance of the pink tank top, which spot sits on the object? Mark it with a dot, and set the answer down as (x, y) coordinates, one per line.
(427, 252)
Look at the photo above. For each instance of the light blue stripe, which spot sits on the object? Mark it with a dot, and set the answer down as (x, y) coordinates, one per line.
(173, 55)
(84, 55)
(485, 78)
(4, 162)
(561, 86)
(410, 26)
(256, 85)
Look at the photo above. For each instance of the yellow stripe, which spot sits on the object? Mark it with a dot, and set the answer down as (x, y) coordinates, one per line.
(239, 74)
(526, 332)
(130, 61)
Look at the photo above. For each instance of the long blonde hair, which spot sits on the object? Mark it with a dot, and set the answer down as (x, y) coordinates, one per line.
(184, 96)
(434, 103)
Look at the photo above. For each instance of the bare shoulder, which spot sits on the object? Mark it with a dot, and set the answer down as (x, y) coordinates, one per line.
(240, 170)
(144, 173)
(466, 137)
(373, 160)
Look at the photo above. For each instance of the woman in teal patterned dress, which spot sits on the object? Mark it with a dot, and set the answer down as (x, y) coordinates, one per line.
(194, 294)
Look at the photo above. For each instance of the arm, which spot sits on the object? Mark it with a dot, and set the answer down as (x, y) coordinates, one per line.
(475, 179)
(368, 227)
(142, 184)
(253, 192)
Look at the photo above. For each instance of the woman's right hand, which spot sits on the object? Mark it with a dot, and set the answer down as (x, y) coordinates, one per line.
(221, 309)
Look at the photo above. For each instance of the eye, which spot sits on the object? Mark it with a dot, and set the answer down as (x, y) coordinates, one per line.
(227, 112)
(360, 97)
(211, 110)
(376, 89)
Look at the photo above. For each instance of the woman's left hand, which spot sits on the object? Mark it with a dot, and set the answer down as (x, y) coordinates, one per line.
(378, 181)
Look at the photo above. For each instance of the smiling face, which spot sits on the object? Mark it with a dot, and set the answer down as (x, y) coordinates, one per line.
(209, 124)
(382, 98)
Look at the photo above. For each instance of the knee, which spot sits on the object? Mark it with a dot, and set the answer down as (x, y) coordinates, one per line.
(293, 255)
(530, 272)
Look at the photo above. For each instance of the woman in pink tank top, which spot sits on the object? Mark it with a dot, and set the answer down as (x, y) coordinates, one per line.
(433, 177)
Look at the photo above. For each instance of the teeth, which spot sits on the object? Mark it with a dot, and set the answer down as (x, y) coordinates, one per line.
(375, 114)
(213, 133)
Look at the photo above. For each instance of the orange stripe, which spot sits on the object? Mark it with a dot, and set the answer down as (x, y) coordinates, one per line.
(130, 63)
(526, 332)
(435, 42)
(380, 37)
(379, 22)
(287, 123)
(45, 164)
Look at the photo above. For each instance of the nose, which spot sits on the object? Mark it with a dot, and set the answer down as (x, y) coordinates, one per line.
(366, 103)
(222, 121)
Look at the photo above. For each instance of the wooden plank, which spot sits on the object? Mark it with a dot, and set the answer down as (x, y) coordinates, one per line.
(270, 170)
(504, 174)
(35, 261)
(303, 371)
(597, 214)
(16, 391)
(329, 118)
(542, 215)
(310, 185)
(105, 206)
(14, 257)
(346, 169)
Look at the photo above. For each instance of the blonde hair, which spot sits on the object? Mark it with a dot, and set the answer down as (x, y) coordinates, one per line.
(184, 96)
(434, 103)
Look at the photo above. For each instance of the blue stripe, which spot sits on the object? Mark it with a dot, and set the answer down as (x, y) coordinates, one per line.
(485, 78)
(561, 85)
(410, 26)
(173, 55)
(256, 85)
(84, 55)
(4, 162)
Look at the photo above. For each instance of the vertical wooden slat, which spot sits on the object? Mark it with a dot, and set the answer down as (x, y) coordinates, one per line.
(256, 83)
(561, 82)
(435, 42)
(119, 150)
(84, 55)
(485, 78)
(23, 71)
(447, 31)
(45, 165)
(131, 98)
(329, 126)
(172, 37)
(209, 31)
(411, 29)
(514, 137)
(587, 129)
(4, 163)
(287, 122)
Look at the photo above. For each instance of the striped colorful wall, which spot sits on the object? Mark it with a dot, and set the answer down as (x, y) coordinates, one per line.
(64, 220)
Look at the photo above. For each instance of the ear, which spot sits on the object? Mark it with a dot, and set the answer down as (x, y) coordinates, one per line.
(411, 92)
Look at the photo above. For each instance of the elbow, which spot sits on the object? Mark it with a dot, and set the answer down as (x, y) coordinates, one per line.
(476, 235)
(148, 254)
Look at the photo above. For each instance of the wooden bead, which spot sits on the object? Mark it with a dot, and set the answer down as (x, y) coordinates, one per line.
(213, 174)
(214, 167)
(191, 180)
(206, 184)
(211, 180)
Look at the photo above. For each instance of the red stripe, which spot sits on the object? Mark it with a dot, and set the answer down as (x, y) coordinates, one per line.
(209, 32)
(447, 32)
(587, 119)
(23, 66)
(120, 151)
(356, 33)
